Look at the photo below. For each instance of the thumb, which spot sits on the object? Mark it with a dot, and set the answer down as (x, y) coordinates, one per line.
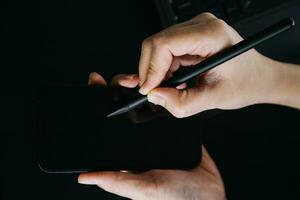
(128, 185)
(180, 103)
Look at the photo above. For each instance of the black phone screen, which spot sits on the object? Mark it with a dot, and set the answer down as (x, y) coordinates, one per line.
(74, 134)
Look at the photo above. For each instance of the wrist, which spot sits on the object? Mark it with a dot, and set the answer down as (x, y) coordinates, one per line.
(286, 85)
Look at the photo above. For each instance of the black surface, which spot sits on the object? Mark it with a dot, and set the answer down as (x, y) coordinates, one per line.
(256, 148)
(74, 134)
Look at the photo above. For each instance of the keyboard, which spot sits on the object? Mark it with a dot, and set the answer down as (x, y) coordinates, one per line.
(175, 11)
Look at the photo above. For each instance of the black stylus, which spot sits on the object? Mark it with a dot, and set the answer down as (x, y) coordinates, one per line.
(214, 61)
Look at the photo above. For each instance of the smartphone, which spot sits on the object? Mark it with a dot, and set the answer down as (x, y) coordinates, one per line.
(74, 135)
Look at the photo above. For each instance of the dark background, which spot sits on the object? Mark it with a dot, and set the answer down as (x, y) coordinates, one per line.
(58, 41)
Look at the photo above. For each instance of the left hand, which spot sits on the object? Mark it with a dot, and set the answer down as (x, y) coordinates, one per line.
(202, 182)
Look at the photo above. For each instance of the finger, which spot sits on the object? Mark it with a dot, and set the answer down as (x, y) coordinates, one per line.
(159, 64)
(125, 80)
(207, 161)
(203, 17)
(185, 60)
(128, 185)
(173, 68)
(208, 164)
(181, 103)
(146, 53)
(96, 79)
(201, 39)
(179, 42)
(189, 60)
(144, 60)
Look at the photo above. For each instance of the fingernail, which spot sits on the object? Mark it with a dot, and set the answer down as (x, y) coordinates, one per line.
(87, 181)
(156, 99)
(130, 77)
(142, 91)
(92, 74)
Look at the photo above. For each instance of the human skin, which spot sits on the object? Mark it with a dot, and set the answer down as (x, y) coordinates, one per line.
(202, 182)
(248, 79)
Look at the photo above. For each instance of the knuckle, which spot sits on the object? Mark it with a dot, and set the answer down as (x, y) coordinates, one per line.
(155, 69)
(146, 43)
(209, 14)
(219, 24)
(152, 68)
(206, 15)
(159, 40)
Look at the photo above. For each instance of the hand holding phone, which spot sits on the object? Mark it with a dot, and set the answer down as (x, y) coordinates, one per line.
(74, 135)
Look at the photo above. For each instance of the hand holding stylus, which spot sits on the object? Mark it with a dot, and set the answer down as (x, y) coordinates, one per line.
(247, 79)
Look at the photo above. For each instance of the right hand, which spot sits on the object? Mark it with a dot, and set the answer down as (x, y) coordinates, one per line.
(244, 80)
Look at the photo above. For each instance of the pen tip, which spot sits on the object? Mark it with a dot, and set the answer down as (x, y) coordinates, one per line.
(109, 115)
(117, 112)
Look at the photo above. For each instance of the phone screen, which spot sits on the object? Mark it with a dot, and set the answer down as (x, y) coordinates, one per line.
(74, 134)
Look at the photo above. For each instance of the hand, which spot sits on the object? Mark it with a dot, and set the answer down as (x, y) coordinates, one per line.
(247, 79)
(203, 182)
(142, 114)
(124, 80)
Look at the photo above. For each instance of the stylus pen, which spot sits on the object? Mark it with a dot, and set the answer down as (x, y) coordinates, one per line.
(214, 61)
